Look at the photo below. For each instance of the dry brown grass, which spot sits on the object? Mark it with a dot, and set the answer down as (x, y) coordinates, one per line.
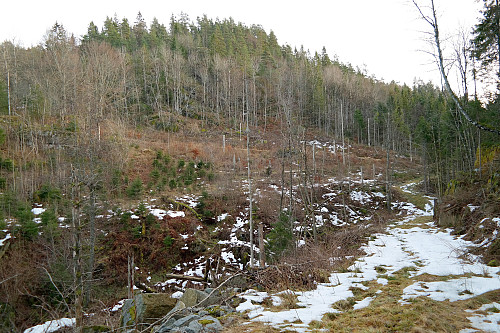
(385, 314)
(304, 267)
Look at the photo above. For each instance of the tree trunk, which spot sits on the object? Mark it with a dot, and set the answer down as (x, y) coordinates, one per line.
(250, 221)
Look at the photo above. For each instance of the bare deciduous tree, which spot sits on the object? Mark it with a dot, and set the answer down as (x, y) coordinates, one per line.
(432, 21)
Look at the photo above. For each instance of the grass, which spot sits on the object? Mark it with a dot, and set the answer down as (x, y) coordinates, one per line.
(417, 222)
(418, 200)
(385, 314)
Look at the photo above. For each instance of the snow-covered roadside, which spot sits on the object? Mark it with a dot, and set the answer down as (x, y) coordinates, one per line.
(426, 249)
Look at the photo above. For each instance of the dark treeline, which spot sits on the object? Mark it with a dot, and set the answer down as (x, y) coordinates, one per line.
(221, 73)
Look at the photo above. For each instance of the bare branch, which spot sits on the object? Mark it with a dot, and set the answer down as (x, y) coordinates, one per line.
(60, 293)
(461, 108)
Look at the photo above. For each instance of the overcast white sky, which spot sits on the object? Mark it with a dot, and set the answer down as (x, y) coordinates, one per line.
(384, 35)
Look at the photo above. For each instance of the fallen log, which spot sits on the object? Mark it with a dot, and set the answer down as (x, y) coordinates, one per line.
(185, 277)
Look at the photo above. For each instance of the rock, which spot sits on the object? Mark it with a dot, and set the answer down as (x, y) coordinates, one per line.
(185, 320)
(192, 297)
(203, 313)
(210, 324)
(177, 312)
(193, 323)
(240, 282)
(195, 326)
(165, 326)
(127, 318)
(219, 311)
(146, 308)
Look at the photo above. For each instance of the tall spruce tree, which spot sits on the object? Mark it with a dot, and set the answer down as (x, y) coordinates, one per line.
(486, 39)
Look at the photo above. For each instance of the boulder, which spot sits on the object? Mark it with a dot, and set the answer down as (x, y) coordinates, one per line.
(185, 320)
(177, 312)
(191, 297)
(146, 308)
(210, 324)
(192, 323)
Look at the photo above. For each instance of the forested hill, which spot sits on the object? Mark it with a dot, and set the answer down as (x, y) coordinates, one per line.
(220, 72)
(167, 143)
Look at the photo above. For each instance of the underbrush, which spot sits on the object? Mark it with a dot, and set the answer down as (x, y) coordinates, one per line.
(302, 268)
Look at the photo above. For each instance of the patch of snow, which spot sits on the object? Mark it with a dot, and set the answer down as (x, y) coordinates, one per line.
(177, 294)
(472, 208)
(382, 281)
(360, 196)
(452, 290)
(408, 188)
(37, 210)
(228, 257)
(191, 200)
(159, 213)
(51, 326)
(117, 306)
(486, 323)
(363, 303)
(497, 220)
(222, 217)
(176, 213)
(7, 237)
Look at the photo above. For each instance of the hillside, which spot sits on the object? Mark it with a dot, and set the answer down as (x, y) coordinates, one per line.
(145, 160)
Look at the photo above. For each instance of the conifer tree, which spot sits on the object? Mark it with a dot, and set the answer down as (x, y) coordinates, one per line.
(486, 39)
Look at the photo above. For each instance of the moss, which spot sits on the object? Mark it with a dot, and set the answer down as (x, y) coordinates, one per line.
(214, 311)
(132, 313)
(205, 321)
(493, 263)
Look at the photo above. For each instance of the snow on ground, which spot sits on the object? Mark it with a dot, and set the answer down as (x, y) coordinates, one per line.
(190, 200)
(51, 326)
(7, 237)
(425, 250)
(117, 306)
(38, 210)
(488, 322)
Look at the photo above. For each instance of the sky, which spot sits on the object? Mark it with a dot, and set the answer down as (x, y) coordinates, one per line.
(385, 37)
